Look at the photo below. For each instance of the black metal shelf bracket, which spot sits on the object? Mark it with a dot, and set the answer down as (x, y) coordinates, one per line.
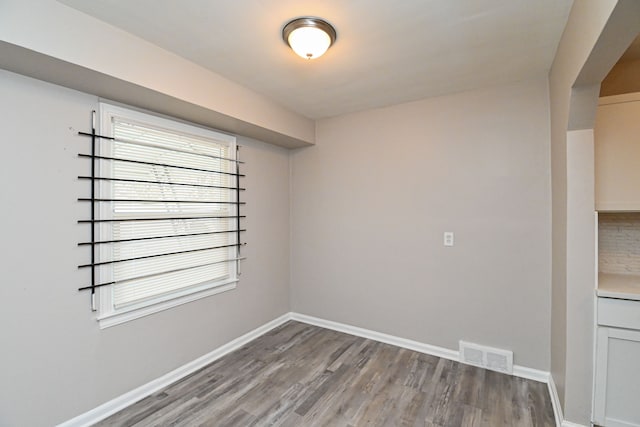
(93, 209)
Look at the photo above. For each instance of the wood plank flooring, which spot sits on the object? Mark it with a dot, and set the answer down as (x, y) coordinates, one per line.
(302, 375)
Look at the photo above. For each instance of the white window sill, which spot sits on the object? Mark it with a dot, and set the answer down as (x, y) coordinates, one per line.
(116, 318)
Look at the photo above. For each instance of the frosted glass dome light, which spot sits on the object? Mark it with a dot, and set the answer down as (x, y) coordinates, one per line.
(309, 37)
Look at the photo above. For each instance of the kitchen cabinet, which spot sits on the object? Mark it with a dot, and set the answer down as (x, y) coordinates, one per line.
(617, 153)
(617, 378)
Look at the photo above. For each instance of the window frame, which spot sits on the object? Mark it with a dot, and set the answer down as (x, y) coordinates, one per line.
(107, 314)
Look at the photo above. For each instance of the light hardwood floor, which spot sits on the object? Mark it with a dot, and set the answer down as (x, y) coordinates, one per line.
(302, 375)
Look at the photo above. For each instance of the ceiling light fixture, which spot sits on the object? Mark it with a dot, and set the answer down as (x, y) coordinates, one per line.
(309, 37)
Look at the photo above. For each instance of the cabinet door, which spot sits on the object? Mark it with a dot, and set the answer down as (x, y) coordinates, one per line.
(617, 388)
(617, 154)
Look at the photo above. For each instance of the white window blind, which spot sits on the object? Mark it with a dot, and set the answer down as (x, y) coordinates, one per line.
(173, 211)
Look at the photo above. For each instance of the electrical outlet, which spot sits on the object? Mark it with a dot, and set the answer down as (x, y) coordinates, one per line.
(448, 238)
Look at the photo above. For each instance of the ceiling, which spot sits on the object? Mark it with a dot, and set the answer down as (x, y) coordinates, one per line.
(387, 52)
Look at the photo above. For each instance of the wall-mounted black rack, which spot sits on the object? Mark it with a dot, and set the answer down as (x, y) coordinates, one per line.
(93, 200)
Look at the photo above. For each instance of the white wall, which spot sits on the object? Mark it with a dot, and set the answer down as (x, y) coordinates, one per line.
(371, 200)
(55, 361)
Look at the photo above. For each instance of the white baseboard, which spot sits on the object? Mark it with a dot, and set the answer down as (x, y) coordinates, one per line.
(111, 407)
(555, 402)
(445, 353)
(531, 374)
(557, 408)
(613, 422)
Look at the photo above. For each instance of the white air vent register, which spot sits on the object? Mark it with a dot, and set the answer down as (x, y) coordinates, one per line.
(494, 359)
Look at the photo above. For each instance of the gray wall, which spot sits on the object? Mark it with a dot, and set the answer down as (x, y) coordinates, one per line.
(55, 361)
(596, 35)
(371, 200)
(581, 267)
(584, 26)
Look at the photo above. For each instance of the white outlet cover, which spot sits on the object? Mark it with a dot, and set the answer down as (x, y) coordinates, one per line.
(448, 238)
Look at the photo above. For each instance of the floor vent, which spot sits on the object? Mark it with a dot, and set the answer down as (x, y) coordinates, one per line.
(486, 357)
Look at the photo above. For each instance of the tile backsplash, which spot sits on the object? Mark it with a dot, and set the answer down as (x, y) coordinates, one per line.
(619, 243)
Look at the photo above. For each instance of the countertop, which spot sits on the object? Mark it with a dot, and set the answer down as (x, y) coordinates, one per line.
(624, 286)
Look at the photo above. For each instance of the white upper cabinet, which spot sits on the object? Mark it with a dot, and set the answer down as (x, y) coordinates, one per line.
(617, 153)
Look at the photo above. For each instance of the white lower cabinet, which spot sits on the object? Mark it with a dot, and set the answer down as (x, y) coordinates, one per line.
(617, 382)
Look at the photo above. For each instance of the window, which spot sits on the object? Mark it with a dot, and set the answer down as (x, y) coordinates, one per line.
(169, 212)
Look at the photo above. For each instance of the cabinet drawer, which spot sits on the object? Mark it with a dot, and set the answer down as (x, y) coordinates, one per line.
(619, 312)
